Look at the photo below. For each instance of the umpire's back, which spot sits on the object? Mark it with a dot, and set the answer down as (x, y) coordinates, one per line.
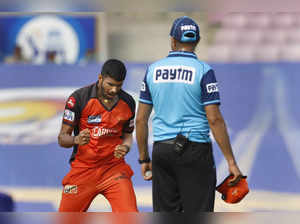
(179, 86)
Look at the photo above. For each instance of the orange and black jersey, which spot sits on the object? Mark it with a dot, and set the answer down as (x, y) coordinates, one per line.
(84, 110)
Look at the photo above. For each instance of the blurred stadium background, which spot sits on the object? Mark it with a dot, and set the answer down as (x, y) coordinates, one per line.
(44, 57)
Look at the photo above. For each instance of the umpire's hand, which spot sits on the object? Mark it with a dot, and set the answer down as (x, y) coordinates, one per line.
(237, 175)
(147, 170)
(83, 138)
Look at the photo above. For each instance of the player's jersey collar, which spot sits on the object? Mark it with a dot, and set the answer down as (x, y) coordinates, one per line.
(94, 90)
(94, 94)
(182, 54)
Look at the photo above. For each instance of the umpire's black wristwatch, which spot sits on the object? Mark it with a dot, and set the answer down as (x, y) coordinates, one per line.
(147, 160)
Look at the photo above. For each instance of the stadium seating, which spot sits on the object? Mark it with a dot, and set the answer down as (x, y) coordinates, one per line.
(267, 52)
(243, 53)
(293, 35)
(290, 52)
(235, 20)
(250, 36)
(258, 20)
(219, 53)
(254, 37)
(227, 36)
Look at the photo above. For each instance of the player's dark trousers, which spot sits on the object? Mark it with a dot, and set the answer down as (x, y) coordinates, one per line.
(186, 182)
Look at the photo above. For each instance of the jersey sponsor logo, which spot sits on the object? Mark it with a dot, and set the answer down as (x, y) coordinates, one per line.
(178, 74)
(212, 87)
(69, 115)
(70, 189)
(99, 132)
(143, 87)
(71, 102)
(94, 119)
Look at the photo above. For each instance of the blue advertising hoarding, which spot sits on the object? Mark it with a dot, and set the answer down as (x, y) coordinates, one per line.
(70, 37)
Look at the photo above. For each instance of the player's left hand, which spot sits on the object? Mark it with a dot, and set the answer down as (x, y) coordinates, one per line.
(121, 151)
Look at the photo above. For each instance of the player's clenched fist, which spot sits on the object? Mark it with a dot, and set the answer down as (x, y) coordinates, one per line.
(121, 150)
(83, 137)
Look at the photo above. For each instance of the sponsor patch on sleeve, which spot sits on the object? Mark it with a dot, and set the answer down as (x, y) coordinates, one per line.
(71, 102)
(69, 115)
(212, 87)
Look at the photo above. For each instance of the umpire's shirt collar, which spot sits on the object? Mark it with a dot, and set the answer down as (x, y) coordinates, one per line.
(182, 54)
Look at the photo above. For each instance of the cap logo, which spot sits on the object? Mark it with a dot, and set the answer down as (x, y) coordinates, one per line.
(188, 27)
(184, 29)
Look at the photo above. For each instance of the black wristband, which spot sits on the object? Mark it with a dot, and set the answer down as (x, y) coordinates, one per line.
(147, 160)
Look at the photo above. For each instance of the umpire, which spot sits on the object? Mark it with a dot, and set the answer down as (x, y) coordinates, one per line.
(184, 94)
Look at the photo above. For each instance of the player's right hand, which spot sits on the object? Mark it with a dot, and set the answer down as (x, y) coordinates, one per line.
(83, 138)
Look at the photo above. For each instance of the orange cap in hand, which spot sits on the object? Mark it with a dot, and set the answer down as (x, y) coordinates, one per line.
(233, 194)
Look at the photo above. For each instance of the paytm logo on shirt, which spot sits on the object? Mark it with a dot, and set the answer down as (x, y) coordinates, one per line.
(212, 87)
(179, 74)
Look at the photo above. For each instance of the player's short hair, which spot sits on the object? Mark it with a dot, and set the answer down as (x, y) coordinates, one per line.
(115, 69)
